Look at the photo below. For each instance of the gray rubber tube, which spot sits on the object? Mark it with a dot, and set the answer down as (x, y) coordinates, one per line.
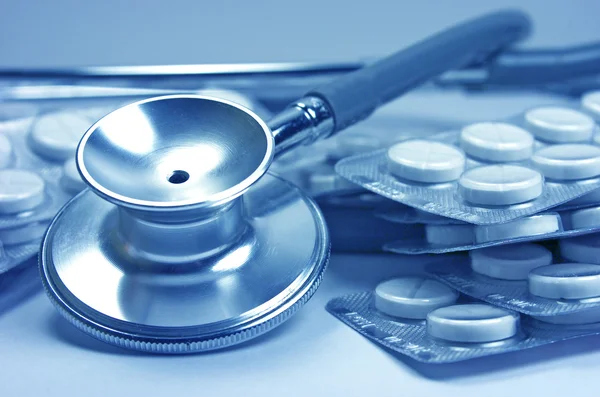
(356, 95)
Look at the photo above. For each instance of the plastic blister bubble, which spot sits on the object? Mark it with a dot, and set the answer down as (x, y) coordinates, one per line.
(53, 200)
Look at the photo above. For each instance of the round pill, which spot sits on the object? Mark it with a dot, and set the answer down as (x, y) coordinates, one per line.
(352, 144)
(497, 142)
(71, 180)
(449, 234)
(559, 125)
(412, 297)
(585, 218)
(582, 249)
(568, 162)
(509, 262)
(589, 316)
(523, 227)
(500, 185)
(5, 151)
(475, 323)
(20, 191)
(591, 103)
(565, 281)
(56, 135)
(23, 234)
(425, 161)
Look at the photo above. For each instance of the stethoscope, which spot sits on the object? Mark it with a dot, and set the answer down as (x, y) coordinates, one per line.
(184, 242)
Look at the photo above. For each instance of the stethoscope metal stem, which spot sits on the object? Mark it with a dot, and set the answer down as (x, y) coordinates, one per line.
(305, 121)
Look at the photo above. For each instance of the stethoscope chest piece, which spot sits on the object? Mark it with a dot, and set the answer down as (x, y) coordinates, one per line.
(183, 244)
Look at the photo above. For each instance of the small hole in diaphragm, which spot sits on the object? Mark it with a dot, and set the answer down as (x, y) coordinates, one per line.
(178, 176)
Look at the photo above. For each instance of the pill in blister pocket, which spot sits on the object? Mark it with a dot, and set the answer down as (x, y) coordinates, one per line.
(5, 151)
(585, 218)
(568, 162)
(559, 125)
(499, 142)
(425, 161)
(56, 135)
(351, 144)
(511, 262)
(71, 180)
(583, 249)
(475, 323)
(589, 316)
(412, 297)
(591, 103)
(20, 190)
(500, 185)
(565, 281)
(449, 234)
(523, 227)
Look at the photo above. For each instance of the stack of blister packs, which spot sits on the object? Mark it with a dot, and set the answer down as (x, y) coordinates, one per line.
(512, 208)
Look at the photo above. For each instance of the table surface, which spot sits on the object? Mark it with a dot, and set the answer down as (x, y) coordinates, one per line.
(41, 354)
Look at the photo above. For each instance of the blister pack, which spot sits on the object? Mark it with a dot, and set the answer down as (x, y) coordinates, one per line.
(522, 277)
(489, 172)
(419, 318)
(438, 237)
(312, 167)
(38, 173)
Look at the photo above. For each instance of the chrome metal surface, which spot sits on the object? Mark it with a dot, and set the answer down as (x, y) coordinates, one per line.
(273, 263)
(187, 245)
(137, 155)
(232, 69)
(302, 123)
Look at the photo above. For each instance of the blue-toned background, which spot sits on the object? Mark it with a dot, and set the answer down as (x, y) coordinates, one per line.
(312, 354)
(108, 32)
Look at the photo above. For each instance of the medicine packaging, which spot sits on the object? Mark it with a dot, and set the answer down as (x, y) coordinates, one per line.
(438, 237)
(420, 318)
(522, 277)
(312, 167)
(488, 172)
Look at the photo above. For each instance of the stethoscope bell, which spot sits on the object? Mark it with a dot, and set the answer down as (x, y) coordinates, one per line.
(171, 251)
(184, 243)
